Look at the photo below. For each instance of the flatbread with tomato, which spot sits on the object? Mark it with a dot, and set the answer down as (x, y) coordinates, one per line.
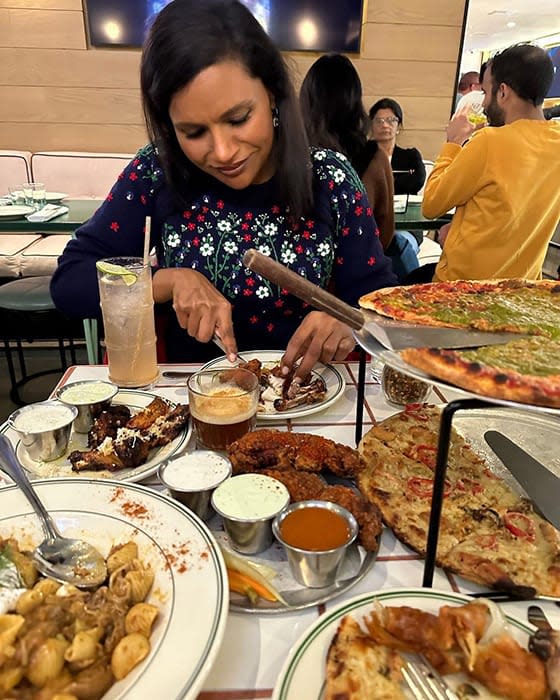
(488, 533)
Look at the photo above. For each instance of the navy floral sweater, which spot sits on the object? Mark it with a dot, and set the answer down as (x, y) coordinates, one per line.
(337, 247)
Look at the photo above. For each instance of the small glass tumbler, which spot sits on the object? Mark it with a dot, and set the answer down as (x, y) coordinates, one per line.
(15, 193)
(376, 365)
(35, 194)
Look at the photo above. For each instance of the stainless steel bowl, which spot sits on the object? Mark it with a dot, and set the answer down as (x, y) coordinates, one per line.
(87, 410)
(32, 423)
(250, 533)
(315, 568)
(192, 478)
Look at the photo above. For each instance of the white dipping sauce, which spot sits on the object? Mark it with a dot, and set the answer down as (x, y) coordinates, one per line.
(250, 497)
(90, 392)
(196, 471)
(41, 418)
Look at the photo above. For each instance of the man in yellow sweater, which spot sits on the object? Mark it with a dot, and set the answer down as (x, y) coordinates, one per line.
(505, 180)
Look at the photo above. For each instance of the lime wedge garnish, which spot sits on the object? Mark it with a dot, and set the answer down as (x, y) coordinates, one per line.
(128, 276)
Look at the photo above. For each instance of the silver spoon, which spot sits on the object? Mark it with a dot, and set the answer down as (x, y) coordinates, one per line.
(63, 559)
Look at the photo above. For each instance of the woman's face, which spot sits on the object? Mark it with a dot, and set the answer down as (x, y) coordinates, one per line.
(385, 125)
(223, 122)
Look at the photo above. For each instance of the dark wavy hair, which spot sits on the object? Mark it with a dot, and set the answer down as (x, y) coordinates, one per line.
(387, 103)
(332, 108)
(527, 69)
(189, 36)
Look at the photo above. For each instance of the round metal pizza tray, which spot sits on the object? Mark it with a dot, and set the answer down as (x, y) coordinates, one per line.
(392, 358)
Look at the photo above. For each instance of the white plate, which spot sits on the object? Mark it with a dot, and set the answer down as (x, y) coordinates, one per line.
(53, 197)
(190, 587)
(136, 401)
(303, 673)
(331, 376)
(14, 211)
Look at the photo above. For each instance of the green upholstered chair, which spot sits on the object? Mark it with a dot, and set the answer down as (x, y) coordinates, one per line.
(28, 313)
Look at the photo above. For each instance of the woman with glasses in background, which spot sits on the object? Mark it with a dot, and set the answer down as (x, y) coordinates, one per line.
(408, 168)
(409, 174)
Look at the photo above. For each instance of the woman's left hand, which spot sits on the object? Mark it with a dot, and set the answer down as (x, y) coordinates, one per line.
(319, 338)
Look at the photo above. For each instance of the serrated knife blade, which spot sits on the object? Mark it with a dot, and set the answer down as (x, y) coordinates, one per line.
(540, 484)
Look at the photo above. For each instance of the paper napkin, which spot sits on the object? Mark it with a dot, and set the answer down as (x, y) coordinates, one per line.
(48, 212)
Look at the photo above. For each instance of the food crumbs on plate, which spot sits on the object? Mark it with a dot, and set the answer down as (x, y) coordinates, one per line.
(177, 557)
(132, 509)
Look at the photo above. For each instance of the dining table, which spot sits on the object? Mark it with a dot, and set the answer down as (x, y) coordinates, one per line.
(412, 219)
(79, 211)
(255, 646)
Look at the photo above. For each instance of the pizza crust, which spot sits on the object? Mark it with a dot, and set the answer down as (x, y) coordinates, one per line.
(485, 380)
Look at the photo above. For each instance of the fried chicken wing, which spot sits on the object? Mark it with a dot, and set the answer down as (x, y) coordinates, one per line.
(166, 428)
(368, 515)
(107, 423)
(302, 486)
(280, 450)
(145, 418)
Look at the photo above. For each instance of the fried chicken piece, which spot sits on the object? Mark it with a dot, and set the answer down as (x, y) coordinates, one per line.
(302, 395)
(302, 486)
(368, 515)
(315, 453)
(262, 449)
(107, 423)
(126, 451)
(275, 449)
(166, 428)
(147, 416)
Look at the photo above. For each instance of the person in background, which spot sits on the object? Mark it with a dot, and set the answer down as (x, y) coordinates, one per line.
(468, 82)
(504, 181)
(472, 102)
(409, 172)
(228, 168)
(334, 117)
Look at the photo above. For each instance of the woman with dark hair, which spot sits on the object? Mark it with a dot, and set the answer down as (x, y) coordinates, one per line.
(334, 116)
(408, 167)
(228, 169)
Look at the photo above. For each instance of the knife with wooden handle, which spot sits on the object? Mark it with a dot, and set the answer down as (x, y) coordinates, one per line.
(394, 335)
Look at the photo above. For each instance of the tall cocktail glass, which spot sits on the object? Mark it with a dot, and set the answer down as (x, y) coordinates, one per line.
(127, 304)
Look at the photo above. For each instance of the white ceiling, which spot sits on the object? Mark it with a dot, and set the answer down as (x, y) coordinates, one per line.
(487, 22)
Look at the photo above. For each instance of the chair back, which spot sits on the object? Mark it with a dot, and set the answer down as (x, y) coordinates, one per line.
(14, 169)
(79, 174)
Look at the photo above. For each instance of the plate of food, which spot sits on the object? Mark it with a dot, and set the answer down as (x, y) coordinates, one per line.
(159, 557)
(489, 532)
(105, 452)
(524, 370)
(279, 399)
(357, 650)
(54, 197)
(311, 467)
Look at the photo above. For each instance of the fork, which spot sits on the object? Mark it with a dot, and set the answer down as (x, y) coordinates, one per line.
(424, 682)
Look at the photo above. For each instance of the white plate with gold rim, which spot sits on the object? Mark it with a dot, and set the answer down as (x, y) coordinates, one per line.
(135, 400)
(303, 673)
(331, 376)
(190, 587)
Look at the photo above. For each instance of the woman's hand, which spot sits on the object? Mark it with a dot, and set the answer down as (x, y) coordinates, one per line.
(319, 338)
(200, 308)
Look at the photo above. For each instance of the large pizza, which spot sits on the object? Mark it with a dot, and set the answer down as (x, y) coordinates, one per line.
(488, 533)
(525, 369)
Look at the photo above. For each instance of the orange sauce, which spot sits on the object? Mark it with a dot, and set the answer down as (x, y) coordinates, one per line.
(314, 529)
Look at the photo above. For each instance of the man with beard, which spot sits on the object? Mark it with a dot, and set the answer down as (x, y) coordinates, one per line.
(504, 181)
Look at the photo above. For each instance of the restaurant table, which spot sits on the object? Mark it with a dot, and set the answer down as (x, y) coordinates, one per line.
(255, 646)
(79, 211)
(412, 219)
